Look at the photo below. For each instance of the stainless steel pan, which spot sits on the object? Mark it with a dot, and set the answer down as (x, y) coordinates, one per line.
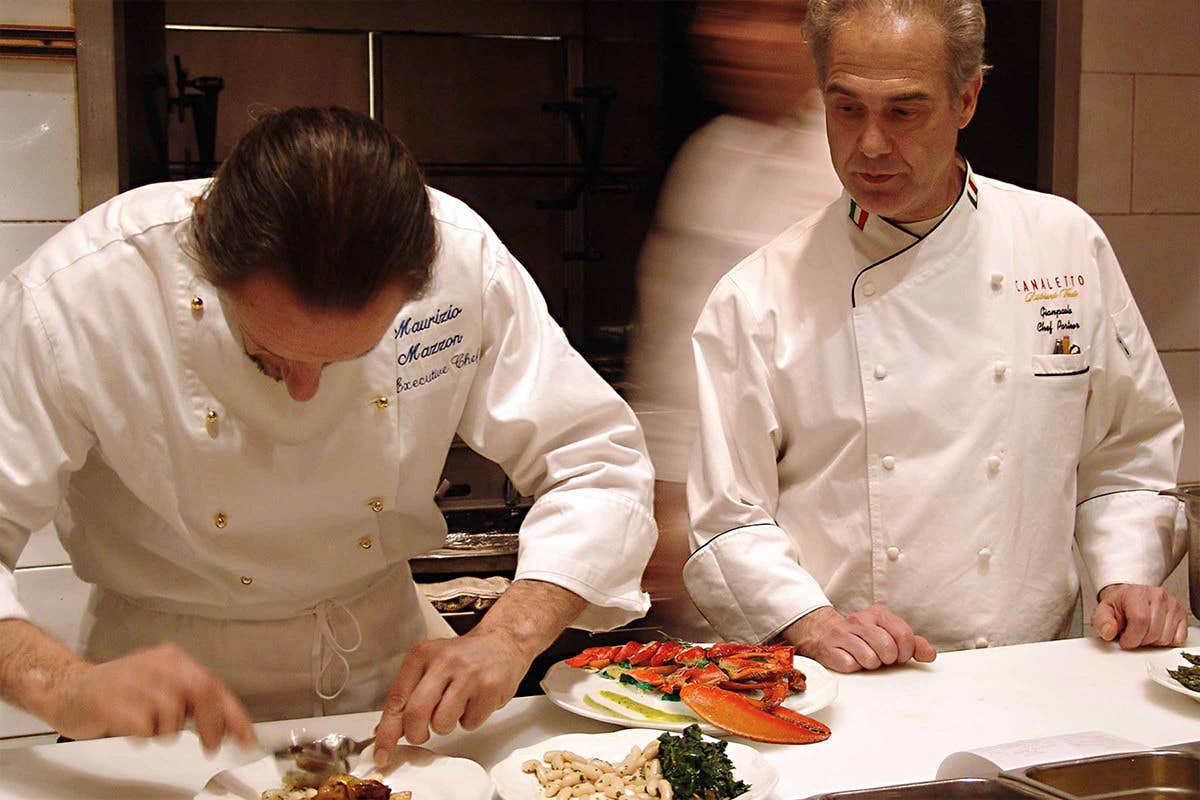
(1189, 493)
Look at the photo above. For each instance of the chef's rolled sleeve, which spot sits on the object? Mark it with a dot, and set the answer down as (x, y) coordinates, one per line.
(1133, 439)
(744, 573)
(563, 435)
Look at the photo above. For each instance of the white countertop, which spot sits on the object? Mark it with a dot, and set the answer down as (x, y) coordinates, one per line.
(892, 726)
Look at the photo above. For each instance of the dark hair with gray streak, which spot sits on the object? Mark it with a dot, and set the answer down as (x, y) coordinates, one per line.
(961, 20)
(328, 200)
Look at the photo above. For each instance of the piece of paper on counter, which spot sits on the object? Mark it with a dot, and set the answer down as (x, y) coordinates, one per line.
(988, 762)
(491, 587)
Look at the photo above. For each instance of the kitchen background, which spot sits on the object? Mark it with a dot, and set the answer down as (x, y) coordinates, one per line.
(556, 120)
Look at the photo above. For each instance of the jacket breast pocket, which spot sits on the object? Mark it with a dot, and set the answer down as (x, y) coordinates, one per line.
(1060, 366)
(1053, 405)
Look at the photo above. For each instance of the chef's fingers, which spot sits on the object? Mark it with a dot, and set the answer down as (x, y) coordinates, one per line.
(923, 651)
(170, 715)
(1173, 614)
(1136, 609)
(391, 722)
(237, 720)
(883, 646)
(450, 708)
(1158, 611)
(838, 660)
(210, 719)
(421, 703)
(902, 637)
(478, 709)
(859, 649)
(1181, 632)
(1107, 620)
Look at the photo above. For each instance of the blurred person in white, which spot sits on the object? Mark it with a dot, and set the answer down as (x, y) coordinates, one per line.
(916, 401)
(737, 182)
(236, 397)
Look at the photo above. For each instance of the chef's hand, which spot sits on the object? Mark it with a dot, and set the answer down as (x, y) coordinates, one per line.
(444, 683)
(151, 692)
(867, 639)
(1140, 615)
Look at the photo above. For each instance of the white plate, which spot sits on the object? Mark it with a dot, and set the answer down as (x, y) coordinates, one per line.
(428, 775)
(513, 784)
(1158, 663)
(568, 686)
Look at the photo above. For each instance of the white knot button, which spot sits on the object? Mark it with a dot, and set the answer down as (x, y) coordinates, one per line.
(893, 553)
(880, 372)
(985, 553)
(993, 463)
(889, 462)
(868, 289)
(997, 280)
(1000, 368)
(981, 641)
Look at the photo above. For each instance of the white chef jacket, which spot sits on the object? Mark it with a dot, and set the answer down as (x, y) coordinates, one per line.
(194, 492)
(884, 420)
(736, 184)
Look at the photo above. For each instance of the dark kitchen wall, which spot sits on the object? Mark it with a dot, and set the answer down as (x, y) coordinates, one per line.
(546, 117)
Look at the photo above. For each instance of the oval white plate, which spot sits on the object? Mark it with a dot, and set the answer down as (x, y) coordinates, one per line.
(1158, 663)
(513, 784)
(428, 775)
(567, 686)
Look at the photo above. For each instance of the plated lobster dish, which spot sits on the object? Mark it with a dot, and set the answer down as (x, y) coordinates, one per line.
(739, 688)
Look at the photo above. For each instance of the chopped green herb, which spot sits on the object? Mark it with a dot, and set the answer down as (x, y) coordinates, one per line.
(696, 768)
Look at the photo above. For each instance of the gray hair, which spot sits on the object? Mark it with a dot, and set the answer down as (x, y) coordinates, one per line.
(961, 20)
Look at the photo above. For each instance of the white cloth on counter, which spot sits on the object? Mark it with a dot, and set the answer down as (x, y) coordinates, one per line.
(183, 482)
(490, 587)
(884, 420)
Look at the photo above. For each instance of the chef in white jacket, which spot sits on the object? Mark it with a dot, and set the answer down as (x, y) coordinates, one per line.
(235, 400)
(914, 402)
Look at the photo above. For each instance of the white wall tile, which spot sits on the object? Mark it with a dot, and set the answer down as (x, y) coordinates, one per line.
(1184, 371)
(18, 240)
(1166, 139)
(39, 140)
(1160, 256)
(1142, 36)
(1105, 142)
(43, 550)
(36, 12)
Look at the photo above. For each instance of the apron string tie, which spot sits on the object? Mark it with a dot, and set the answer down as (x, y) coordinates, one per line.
(330, 649)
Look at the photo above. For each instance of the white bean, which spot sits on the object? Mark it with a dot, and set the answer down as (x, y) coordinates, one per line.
(571, 778)
(664, 791)
(582, 790)
(552, 788)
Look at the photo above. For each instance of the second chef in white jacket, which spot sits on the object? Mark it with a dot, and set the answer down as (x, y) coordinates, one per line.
(914, 402)
(243, 460)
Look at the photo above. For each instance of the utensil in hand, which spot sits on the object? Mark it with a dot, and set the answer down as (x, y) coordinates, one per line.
(320, 758)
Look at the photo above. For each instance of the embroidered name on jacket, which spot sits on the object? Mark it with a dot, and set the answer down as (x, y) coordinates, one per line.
(430, 357)
(1049, 287)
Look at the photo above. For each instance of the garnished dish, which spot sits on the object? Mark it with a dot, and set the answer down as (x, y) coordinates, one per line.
(737, 688)
(1177, 669)
(338, 787)
(1188, 674)
(635, 764)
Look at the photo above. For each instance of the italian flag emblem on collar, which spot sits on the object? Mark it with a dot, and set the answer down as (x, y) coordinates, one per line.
(972, 191)
(858, 214)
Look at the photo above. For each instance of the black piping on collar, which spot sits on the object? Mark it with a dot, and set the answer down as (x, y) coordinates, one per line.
(961, 194)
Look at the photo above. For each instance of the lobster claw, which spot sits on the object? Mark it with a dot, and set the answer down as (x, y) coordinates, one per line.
(749, 718)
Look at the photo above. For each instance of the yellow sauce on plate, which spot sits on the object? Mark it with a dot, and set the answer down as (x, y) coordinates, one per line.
(642, 710)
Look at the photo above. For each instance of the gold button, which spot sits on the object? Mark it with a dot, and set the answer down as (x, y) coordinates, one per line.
(382, 401)
(197, 303)
(220, 520)
(365, 543)
(376, 504)
(211, 416)
(247, 580)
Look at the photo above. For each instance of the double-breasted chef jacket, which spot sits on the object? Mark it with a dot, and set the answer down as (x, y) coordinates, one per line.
(885, 420)
(269, 537)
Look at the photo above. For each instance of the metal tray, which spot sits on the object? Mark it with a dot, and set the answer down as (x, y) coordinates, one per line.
(958, 789)
(1147, 775)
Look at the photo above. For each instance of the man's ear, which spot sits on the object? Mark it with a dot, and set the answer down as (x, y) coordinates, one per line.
(200, 209)
(968, 99)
